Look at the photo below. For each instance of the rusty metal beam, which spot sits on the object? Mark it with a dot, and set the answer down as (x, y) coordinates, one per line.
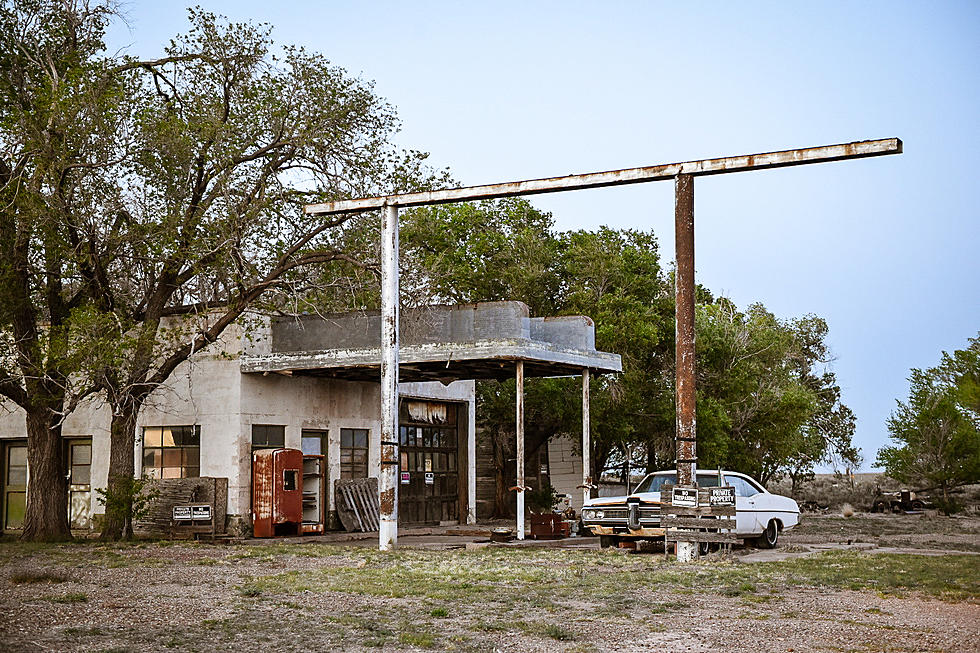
(703, 167)
(684, 380)
(684, 390)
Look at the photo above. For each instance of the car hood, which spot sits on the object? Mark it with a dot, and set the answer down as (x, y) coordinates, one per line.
(643, 497)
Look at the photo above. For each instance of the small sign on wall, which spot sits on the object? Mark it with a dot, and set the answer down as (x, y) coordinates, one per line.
(722, 496)
(406, 478)
(430, 478)
(686, 497)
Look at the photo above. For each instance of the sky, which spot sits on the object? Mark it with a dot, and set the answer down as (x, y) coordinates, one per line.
(886, 249)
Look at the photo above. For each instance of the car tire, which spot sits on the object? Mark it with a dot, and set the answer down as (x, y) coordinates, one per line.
(917, 505)
(607, 541)
(770, 536)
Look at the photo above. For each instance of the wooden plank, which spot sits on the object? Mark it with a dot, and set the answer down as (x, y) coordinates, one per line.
(700, 536)
(719, 511)
(693, 522)
(660, 172)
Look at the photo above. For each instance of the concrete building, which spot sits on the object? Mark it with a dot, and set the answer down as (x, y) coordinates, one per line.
(311, 383)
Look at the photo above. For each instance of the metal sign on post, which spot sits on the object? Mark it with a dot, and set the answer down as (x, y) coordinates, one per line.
(683, 174)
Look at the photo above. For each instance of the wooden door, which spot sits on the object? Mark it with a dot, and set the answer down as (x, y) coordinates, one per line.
(80, 483)
(14, 486)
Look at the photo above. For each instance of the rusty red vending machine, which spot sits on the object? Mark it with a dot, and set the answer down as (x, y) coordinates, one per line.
(277, 492)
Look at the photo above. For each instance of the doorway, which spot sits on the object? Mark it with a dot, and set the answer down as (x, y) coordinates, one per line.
(80, 483)
(14, 483)
(429, 489)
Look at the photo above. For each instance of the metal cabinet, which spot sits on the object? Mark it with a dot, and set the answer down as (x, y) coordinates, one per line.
(277, 492)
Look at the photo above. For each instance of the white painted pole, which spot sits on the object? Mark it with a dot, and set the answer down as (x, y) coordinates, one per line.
(388, 463)
(520, 450)
(586, 440)
(471, 463)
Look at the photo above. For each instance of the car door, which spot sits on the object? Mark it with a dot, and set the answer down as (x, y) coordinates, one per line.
(746, 508)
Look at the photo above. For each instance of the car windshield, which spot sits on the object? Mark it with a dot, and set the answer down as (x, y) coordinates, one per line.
(654, 482)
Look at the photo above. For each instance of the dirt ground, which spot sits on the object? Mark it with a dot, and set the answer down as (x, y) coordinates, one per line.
(868, 583)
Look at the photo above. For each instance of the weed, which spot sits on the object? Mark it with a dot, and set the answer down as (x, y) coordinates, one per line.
(36, 577)
(554, 631)
(71, 597)
(416, 638)
(439, 612)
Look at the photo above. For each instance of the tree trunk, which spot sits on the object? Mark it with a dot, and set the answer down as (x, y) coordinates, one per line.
(46, 519)
(118, 522)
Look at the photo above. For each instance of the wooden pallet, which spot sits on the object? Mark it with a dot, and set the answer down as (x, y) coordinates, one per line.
(357, 504)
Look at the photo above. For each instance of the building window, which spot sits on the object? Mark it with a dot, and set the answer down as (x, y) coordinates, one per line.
(353, 453)
(266, 436)
(172, 451)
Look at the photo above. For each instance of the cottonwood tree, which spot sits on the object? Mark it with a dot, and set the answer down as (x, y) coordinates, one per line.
(62, 136)
(168, 204)
(937, 429)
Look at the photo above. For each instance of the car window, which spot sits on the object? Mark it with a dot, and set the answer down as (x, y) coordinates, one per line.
(708, 480)
(742, 487)
(654, 482)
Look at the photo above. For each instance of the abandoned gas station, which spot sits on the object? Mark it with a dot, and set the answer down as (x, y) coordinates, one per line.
(310, 383)
(390, 395)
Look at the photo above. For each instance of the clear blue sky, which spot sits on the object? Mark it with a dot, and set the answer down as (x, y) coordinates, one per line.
(886, 249)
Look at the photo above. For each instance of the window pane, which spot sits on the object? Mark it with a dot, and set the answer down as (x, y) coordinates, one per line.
(346, 438)
(80, 474)
(18, 456)
(168, 437)
(171, 472)
(17, 475)
(152, 458)
(152, 436)
(360, 438)
(192, 472)
(191, 457)
(311, 446)
(81, 454)
(171, 457)
(15, 509)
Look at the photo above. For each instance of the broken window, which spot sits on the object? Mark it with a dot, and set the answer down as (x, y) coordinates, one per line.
(172, 451)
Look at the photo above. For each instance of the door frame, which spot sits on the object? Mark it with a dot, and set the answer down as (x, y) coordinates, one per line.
(5, 447)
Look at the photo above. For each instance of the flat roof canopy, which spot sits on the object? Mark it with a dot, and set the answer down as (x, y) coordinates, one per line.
(439, 343)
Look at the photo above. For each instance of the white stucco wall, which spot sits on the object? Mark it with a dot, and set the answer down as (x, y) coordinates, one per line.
(210, 391)
(565, 469)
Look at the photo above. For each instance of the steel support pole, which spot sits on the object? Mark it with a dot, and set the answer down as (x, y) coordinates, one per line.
(520, 449)
(685, 397)
(387, 481)
(586, 439)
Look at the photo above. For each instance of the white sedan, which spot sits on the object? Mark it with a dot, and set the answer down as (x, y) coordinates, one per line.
(759, 515)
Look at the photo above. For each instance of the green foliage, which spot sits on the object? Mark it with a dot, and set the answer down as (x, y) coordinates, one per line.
(936, 431)
(767, 404)
(129, 499)
(542, 500)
